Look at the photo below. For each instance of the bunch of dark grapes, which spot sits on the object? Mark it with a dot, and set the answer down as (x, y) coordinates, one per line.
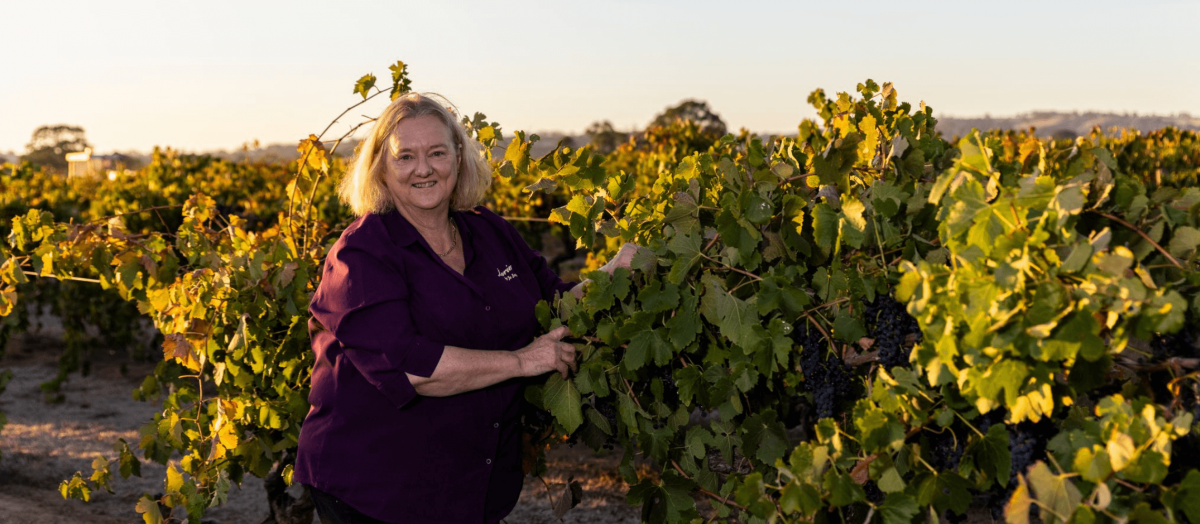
(1185, 451)
(670, 389)
(1027, 445)
(890, 325)
(1024, 447)
(874, 494)
(1182, 344)
(1179, 344)
(829, 380)
(945, 450)
(989, 419)
(535, 418)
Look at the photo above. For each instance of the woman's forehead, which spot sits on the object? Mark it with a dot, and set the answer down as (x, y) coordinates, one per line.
(420, 131)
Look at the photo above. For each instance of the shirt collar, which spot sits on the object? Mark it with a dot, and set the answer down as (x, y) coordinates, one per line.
(403, 233)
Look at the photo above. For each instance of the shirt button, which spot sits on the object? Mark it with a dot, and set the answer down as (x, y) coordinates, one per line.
(487, 308)
(489, 461)
(496, 425)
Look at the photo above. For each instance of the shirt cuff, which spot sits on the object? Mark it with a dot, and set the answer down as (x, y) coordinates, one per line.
(422, 358)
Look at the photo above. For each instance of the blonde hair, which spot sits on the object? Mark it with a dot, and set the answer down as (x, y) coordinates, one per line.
(364, 189)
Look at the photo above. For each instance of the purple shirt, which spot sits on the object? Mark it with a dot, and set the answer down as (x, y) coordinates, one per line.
(387, 305)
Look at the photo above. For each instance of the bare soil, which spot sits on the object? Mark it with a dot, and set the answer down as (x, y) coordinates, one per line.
(46, 443)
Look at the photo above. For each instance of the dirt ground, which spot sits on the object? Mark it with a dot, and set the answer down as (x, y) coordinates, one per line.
(43, 444)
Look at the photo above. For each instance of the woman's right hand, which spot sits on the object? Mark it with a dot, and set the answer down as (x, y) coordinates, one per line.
(547, 353)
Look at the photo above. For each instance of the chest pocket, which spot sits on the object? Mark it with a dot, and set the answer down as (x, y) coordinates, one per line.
(498, 316)
(442, 307)
(510, 293)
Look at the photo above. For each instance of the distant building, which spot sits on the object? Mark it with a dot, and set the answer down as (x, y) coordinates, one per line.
(84, 163)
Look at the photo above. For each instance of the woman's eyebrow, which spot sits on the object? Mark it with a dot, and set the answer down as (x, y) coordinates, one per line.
(402, 149)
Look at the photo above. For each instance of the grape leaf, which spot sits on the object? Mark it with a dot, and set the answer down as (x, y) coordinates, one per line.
(363, 85)
(1016, 510)
(685, 325)
(826, 227)
(898, 508)
(848, 328)
(1055, 492)
(1188, 499)
(842, 489)
(1093, 466)
(765, 438)
(562, 400)
(853, 225)
(730, 314)
(1183, 240)
(648, 344)
(148, 508)
(656, 298)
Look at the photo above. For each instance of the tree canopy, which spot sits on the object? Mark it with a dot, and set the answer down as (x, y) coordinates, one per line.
(49, 145)
(693, 110)
(604, 137)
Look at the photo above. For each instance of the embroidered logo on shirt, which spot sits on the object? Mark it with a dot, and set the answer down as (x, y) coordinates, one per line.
(507, 273)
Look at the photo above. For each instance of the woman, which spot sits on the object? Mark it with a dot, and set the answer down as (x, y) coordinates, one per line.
(422, 327)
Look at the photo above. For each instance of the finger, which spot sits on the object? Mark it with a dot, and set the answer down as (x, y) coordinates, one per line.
(568, 356)
(559, 332)
(562, 368)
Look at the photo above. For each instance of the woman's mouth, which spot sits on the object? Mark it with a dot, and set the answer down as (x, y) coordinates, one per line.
(424, 185)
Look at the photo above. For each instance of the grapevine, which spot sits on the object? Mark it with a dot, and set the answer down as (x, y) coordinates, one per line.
(873, 321)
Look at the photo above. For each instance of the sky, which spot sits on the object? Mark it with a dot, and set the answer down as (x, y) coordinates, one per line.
(215, 74)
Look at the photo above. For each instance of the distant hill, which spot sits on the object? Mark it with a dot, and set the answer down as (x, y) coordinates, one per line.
(278, 152)
(1051, 123)
(1047, 123)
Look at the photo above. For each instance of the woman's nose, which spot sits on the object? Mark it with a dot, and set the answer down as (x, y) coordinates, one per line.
(424, 167)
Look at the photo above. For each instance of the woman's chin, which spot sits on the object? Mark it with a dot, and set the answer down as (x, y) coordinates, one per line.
(431, 203)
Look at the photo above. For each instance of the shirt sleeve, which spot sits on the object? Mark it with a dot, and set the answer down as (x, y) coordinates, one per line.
(364, 302)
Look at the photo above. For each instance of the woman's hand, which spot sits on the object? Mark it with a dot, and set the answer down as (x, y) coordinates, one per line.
(623, 258)
(547, 353)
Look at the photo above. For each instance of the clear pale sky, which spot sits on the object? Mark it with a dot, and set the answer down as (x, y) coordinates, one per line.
(215, 74)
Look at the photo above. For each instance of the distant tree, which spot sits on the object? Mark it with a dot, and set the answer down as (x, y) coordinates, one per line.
(696, 111)
(604, 137)
(1064, 134)
(49, 145)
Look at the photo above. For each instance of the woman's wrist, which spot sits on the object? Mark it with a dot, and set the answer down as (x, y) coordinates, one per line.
(517, 364)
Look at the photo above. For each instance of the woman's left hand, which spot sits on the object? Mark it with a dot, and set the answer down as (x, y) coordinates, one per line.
(623, 258)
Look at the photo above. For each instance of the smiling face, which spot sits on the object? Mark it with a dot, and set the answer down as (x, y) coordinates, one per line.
(422, 166)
